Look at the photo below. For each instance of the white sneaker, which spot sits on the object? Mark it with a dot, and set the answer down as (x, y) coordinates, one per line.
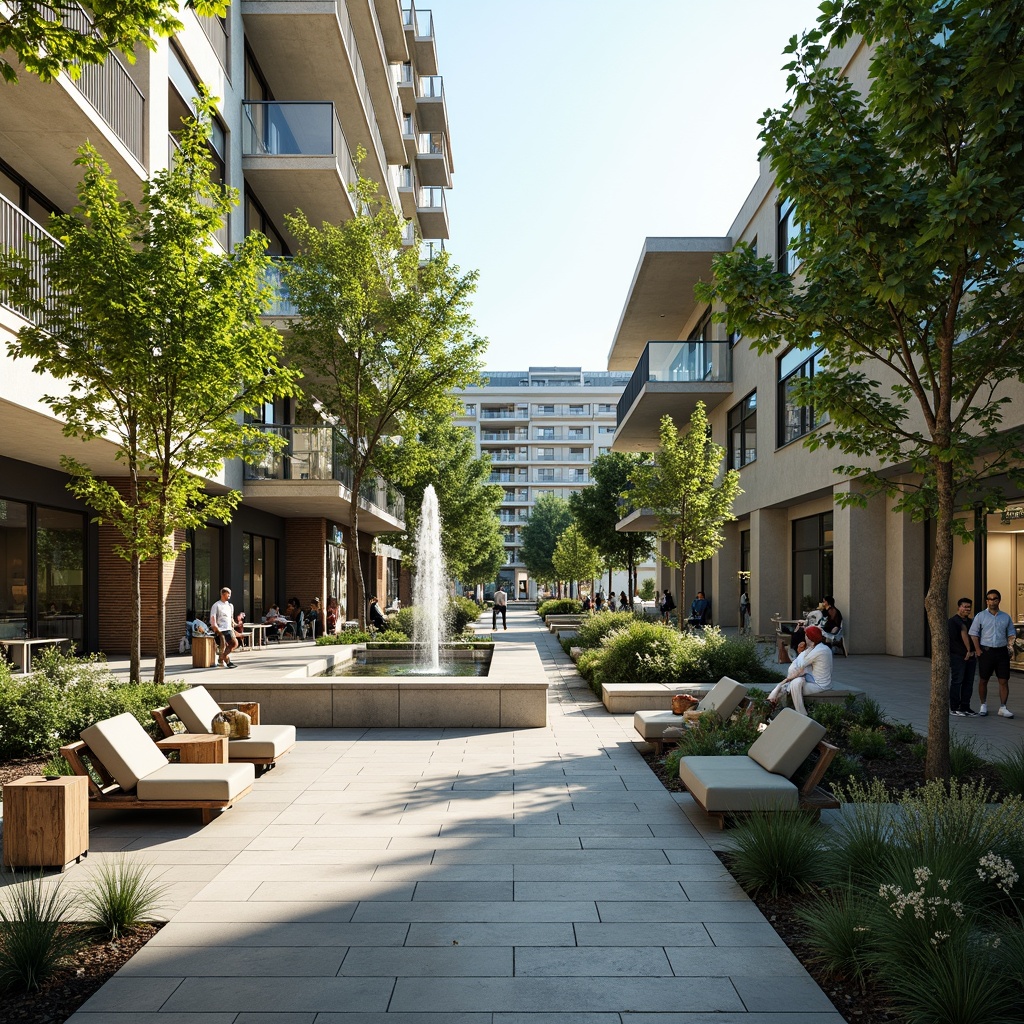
(983, 710)
(1005, 712)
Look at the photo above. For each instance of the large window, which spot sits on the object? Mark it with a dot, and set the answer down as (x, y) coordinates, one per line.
(259, 575)
(795, 419)
(812, 561)
(787, 237)
(203, 569)
(743, 432)
(337, 578)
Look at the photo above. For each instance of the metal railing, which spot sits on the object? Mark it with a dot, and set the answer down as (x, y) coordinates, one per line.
(687, 362)
(322, 453)
(274, 278)
(216, 30)
(108, 87)
(421, 22)
(430, 143)
(431, 197)
(20, 232)
(431, 87)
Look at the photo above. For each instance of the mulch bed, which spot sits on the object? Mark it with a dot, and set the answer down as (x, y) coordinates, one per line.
(68, 988)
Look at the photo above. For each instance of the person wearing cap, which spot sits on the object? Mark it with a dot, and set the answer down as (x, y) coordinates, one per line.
(810, 672)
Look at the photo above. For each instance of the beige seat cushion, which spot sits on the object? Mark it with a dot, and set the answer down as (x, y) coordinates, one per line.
(724, 697)
(657, 725)
(220, 782)
(196, 708)
(125, 749)
(735, 783)
(782, 747)
(269, 741)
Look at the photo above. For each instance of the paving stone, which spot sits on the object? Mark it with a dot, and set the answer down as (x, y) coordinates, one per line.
(596, 962)
(452, 961)
(462, 933)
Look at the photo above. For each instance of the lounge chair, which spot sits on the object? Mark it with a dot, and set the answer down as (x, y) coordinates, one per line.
(657, 727)
(195, 709)
(135, 774)
(761, 779)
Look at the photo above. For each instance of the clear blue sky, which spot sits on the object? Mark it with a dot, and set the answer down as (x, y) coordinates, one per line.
(579, 127)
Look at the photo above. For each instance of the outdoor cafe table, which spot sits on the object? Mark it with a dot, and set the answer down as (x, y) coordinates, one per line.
(255, 634)
(21, 648)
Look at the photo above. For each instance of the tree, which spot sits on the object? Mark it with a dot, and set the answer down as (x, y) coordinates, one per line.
(682, 489)
(471, 540)
(549, 516)
(911, 200)
(382, 339)
(49, 37)
(158, 336)
(598, 508)
(573, 558)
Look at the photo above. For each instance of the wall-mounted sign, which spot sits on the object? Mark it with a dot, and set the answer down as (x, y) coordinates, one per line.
(1013, 514)
(336, 537)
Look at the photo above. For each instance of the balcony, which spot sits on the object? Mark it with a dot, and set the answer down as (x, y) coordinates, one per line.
(433, 159)
(295, 155)
(432, 213)
(431, 112)
(503, 414)
(310, 476)
(281, 305)
(670, 379)
(419, 34)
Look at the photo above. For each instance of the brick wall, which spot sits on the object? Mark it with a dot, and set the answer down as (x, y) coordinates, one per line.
(305, 563)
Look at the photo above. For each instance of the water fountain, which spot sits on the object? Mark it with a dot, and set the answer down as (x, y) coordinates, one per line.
(430, 588)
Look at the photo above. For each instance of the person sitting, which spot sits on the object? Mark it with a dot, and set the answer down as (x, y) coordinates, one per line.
(239, 628)
(377, 617)
(332, 615)
(275, 622)
(810, 672)
(832, 624)
(700, 611)
(815, 617)
(314, 619)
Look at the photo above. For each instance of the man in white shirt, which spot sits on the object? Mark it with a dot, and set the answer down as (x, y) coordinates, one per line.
(222, 619)
(500, 605)
(811, 672)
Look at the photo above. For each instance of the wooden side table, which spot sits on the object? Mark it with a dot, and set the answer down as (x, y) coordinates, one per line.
(197, 748)
(204, 651)
(46, 821)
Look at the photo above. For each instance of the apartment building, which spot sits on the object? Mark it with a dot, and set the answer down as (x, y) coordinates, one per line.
(301, 88)
(542, 428)
(792, 542)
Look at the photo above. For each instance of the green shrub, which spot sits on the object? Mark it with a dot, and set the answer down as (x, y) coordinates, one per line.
(559, 606)
(708, 655)
(869, 712)
(964, 756)
(842, 768)
(832, 716)
(122, 896)
(860, 835)
(1010, 770)
(902, 733)
(403, 621)
(34, 936)
(640, 652)
(711, 736)
(345, 638)
(587, 665)
(647, 589)
(461, 612)
(869, 743)
(840, 930)
(776, 851)
(596, 627)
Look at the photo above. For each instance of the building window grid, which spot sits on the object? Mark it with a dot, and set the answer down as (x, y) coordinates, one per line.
(796, 420)
(787, 238)
(743, 432)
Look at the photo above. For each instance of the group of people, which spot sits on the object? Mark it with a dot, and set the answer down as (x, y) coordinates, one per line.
(988, 643)
(598, 603)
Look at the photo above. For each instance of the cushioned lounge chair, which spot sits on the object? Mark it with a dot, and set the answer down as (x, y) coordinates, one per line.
(134, 773)
(762, 778)
(195, 709)
(659, 727)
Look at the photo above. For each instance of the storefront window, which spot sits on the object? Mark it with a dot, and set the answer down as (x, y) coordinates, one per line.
(812, 562)
(13, 569)
(203, 569)
(259, 580)
(60, 574)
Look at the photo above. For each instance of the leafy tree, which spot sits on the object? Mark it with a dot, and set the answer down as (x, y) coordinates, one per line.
(471, 540)
(911, 197)
(158, 336)
(49, 37)
(549, 516)
(680, 488)
(573, 558)
(382, 339)
(598, 508)
(647, 590)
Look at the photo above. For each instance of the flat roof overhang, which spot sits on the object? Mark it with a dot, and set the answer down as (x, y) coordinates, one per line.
(660, 298)
(313, 499)
(641, 520)
(639, 429)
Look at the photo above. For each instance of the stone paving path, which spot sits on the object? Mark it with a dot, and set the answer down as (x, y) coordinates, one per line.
(453, 877)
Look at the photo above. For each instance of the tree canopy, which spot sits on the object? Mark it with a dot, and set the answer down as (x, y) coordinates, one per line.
(46, 38)
(382, 339)
(910, 198)
(686, 490)
(157, 333)
(574, 559)
(549, 516)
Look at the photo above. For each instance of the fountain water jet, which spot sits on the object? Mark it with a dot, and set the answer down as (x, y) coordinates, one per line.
(430, 588)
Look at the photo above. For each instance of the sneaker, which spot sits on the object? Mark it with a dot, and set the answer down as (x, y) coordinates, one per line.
(959, 714)
(1005, 712)
(983, 710)
(968, 713)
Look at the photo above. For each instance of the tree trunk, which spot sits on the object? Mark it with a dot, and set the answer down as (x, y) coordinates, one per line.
(353, 550)
(160, 668)
(135, 621)
(936, 764)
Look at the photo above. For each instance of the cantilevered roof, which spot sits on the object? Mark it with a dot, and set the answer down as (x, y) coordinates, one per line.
(660, 298)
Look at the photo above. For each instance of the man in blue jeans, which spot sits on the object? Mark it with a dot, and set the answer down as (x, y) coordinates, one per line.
(993, 635)
(961, 660)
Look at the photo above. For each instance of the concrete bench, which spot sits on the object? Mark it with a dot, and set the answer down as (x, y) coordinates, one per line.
(626, 698)
(837, 695)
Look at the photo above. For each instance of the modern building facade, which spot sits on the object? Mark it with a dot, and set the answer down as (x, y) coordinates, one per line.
(792, 541)
(301, 88)
(542, 428)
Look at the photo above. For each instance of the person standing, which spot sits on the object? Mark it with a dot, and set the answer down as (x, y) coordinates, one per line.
(993, 635)
(961, 660)
(500, 605)
(811, 672)
(668, 605)
(744, 612)
(222, 619)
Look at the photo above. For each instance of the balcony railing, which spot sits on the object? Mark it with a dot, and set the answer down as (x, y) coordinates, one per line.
(431, 87)
(421, 22)
(20, 232)
(296, 129)
(430, 143)
(274, 278)
(685, 362)
(216, 30)
(431, 197)
(108, 87)
(430, 248)
(322, 453)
